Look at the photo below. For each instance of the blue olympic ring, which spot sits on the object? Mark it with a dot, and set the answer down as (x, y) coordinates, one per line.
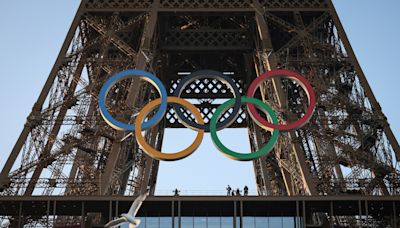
(116, 124)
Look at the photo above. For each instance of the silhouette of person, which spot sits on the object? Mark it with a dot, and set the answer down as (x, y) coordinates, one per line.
(176, 192)
(246, 190)
(237, 192)
(228, 190)
(233, 193)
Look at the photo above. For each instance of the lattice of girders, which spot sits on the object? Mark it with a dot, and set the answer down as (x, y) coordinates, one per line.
(191, 4)
(206, 40)
(207, 110)
(206, 4)
(206, 90)
(102, 4)
(293, 3)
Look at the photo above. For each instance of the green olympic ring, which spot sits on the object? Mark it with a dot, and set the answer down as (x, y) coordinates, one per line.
(237, 155)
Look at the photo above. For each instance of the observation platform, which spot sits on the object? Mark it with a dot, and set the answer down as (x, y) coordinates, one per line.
(300, 209)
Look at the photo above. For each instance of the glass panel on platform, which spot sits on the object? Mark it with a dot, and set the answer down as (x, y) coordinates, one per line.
(176, 222)
(261, 222)
(200, 222)
(186, 222)
(152, 222)
(213, 222)
(288, 222)
(226, 222)
(248, 222)
(165, 222)
(218, 222)
(275, 222)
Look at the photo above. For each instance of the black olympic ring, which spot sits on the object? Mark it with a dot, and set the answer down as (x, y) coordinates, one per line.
(215, 75)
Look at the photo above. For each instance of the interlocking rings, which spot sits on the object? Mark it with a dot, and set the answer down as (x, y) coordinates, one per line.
(214, 125)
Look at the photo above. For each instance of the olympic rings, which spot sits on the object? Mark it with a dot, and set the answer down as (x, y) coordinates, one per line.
(158, 154)
(118, 125)
(288, 74)
(208, 74)
(244, 156)
(214, 125)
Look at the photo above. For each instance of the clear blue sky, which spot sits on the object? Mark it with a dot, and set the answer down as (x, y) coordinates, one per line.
(32, 33)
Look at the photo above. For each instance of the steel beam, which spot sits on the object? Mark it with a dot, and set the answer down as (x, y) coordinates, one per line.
(266, 44)
(41, 99)
(133, 98)
(368, 91)
(55, 130)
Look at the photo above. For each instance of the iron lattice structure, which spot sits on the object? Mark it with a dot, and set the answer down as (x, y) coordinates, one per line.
(66, 148)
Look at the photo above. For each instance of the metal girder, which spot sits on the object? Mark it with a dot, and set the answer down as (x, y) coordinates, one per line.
(305, 33)
(54, 132)
(115, 40)
(134, 98)
(206, 6)
(283, 23)
(206, 39)
(363, 79)
(41, 99)
(266, 44)
(265, 169)
(103, 38)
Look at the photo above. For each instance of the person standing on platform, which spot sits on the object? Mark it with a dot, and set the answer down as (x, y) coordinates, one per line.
(237, 192)
(246, 190)
(176, 192)
(228, 190)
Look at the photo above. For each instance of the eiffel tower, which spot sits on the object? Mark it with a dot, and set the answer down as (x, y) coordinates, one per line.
(66, 148)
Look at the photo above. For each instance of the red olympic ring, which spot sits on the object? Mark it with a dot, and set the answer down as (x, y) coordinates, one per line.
(304, 83)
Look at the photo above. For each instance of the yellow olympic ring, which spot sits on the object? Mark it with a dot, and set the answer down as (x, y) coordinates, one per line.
(158, 154)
